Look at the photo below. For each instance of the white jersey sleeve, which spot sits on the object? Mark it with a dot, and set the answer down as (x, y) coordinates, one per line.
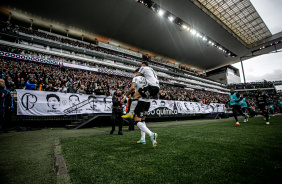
(150, 75)
(140, 82)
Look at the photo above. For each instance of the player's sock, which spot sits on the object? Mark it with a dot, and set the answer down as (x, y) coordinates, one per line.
(133, 106)
(143, 134)
(144, 128)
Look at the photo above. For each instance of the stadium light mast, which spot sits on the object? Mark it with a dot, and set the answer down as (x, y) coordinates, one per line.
(243, 69)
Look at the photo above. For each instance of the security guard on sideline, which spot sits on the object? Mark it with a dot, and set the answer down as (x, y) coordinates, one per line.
(6, 101)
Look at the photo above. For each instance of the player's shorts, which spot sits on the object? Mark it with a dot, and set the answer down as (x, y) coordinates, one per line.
(141, 108)
(149, 91)
(263, 107)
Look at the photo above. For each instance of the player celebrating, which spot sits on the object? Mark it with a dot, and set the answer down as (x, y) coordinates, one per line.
(235, 104)
(151, 90)
(244, 107)
(262, 100)
(139, 82)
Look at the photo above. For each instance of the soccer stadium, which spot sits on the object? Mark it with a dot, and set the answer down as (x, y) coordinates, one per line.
(81, 81)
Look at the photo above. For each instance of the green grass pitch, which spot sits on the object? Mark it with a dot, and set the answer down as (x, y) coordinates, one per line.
(195, 151)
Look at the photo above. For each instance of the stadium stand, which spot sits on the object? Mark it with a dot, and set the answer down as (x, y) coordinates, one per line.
(57, 78)
(76, 66)
(26, 35)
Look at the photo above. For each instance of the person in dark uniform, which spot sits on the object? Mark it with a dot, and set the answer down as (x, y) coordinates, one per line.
(117, 112)
(6, 102)
(244, 107)
(262, 100)
(252, 109)
(280, 104)
(235, 104)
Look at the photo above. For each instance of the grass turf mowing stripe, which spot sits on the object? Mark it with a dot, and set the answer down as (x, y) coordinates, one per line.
(202, 153)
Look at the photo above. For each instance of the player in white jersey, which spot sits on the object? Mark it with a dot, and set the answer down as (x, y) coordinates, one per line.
(139, 82)
(151, 90)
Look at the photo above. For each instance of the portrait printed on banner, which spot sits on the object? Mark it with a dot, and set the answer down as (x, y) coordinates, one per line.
(53, 102)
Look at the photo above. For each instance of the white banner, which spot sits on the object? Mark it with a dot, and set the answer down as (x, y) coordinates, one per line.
(161, 103)
(43, 103)
(184, 107)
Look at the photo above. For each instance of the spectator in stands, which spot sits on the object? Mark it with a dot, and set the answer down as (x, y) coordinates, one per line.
(23, 74)
(10, 85)
(57, 87)
(18, 83)
(63, 89)
(41, 86)
(50, 87)
(81, 90)
(72, 88)
(162, 95)
(99, 91)
(89, 90)
(23, 83)
(31, 84)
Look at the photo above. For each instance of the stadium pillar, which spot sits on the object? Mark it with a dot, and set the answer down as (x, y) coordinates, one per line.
(243, 70)
(10, 16)
(50, 28)
(31, 22)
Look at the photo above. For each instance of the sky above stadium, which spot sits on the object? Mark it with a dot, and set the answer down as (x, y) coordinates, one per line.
(268, 66)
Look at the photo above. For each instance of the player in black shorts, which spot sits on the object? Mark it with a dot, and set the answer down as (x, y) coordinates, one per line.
(262, 100)
(140, 112)
(139, 82)
(150, 90)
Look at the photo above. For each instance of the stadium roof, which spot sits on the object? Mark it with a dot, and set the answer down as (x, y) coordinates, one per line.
(238, 17)
(216, 29)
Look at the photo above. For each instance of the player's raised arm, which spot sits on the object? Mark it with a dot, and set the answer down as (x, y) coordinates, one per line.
(131, 89)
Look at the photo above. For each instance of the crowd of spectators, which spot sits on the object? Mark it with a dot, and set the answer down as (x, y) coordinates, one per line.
(252, 85)
(61, 59)
(19, 74)
(77, 62)
(93, 46)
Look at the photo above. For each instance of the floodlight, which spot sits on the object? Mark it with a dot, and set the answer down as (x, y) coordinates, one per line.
(171, 18)
(161, 12)
(185, 27)
(210, 42)
(193, 31)
(199, 35)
